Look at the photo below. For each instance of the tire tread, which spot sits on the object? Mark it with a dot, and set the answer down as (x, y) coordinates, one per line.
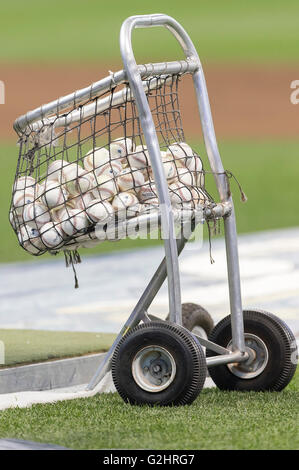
(197, 355)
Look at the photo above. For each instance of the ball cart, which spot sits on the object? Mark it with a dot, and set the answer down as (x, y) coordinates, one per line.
(153, 361)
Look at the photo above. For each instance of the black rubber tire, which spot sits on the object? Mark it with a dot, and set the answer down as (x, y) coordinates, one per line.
(188, 356)
(195, 315)
(281, 345)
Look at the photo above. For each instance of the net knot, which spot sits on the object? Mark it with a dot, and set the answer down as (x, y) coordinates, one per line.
(112, 78)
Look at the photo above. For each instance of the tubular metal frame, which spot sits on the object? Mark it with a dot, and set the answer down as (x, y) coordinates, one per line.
(169, 267)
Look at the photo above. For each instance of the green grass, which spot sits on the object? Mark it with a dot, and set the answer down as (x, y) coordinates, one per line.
(268, 172)
(216, 420)
(28, 346)
(72, 30)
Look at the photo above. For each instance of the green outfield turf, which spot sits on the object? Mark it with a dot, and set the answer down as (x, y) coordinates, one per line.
(268, 172)
(73, 30)
(216, 420)
(28, 346)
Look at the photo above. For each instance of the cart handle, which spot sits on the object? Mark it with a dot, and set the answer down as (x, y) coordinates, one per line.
(131, 68)
(149, 21)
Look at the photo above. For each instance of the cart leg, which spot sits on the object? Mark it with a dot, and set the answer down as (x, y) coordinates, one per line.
(229, 221)
(234, 283)
(136, 316)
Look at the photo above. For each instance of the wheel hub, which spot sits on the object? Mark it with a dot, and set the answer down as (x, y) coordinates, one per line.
(258, 357)
(153, 368)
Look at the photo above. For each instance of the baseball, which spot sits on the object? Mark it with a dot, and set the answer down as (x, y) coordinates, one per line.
(140, 158)
(61, 214)
(120, 148)
(152, 202)
(126, 205)
(40, 189)
(130, 178)
(26, 232)
(124, 200)
(169, 169)
(100, 233)
(95, 158)
(180, 150)
(148, 191)
(193, 163)
(54, 172)
(51, 235)
(99, 211)
(179, 193)
(15, 219)
(36, 214)
(24, 182)
(81, 201)
(23, 197)
(105, 188)
(54, 195)
(34, 245)
(134, 210)
(30, 239)
(72, 221)
(185, 176)
(169, 158)
(71, 172)
(80, 185)
(152, 205)
(111, 169)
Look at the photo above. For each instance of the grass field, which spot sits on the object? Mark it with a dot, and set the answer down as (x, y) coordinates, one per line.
(28, 346)
(216, 420)
(72, 30)
(268, 172)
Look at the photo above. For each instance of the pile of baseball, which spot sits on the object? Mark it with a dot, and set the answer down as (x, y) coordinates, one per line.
(117, 182)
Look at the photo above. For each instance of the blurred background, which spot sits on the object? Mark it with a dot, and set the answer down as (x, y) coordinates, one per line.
(250, 55)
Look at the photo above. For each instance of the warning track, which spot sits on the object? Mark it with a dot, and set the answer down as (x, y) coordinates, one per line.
(247, 101)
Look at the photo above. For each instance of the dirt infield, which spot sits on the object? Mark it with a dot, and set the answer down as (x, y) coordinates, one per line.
(246, 101)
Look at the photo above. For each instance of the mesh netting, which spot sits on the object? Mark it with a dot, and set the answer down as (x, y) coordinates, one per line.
(88, 167)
